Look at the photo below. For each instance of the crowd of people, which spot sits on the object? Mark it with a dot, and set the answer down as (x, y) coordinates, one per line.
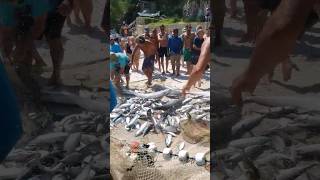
(160, 47)
(22, 22)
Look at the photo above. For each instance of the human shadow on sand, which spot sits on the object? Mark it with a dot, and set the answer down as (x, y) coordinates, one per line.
(43, 43)
(315, 88)
(220, 63)
(232, 50)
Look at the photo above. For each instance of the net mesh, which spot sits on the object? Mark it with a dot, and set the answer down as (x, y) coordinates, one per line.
(143, 168)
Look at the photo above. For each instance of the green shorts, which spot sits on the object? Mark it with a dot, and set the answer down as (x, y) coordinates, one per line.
(187, 56)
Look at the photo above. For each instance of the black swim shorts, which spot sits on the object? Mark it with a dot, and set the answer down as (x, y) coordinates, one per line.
(163, 51)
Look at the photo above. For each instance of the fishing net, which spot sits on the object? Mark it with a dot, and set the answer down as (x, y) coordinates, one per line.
(143, 168)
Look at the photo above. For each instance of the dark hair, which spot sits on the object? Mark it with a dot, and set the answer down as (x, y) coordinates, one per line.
(141, 39)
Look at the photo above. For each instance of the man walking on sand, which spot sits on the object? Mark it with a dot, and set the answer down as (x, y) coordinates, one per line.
(150, 52)
(163, 49)
(59, 10)
(175, 45)
(196, 49)
(202, 64)
(188, 38)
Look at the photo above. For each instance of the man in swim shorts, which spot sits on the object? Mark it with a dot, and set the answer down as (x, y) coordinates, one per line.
(150, 52)
(163, 49)
(188, 38)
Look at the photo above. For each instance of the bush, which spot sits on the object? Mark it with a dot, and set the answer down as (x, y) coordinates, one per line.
(148, 20)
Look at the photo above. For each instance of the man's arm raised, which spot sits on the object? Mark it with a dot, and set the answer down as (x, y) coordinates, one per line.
(198, 70)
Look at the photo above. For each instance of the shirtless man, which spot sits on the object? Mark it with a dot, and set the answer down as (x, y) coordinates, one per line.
(155, 41)
(131, 45)
(150, 51)
(59, 10)
(163, 49)
(197, 72)
(188, 38)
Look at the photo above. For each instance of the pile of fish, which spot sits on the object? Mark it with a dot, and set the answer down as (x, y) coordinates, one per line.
(160, 112)
(74, 148)
(276, 138)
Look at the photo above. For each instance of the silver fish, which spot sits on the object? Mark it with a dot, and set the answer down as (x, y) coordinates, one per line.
(59, 177)
(172, 134)
(170, 129)
(308, 121)
(170, 104)
(85, 173)
(168, 140)
(181, 146)
(313, 150)
(276, 159)
(12, 173)
(245, 142)
(49, 138)
(133, 120)
(246, 124)
(199, 117)
(186, 101)
(147, 129)
(132, 106)
(125, 105)
(72, 158)
(72, 142)
(307, 103)
(278, 143)
(73, 99)
(147, 104)
(142, 128)
(292, 173)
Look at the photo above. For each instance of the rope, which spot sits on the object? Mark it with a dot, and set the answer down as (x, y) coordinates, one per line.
(146, 146)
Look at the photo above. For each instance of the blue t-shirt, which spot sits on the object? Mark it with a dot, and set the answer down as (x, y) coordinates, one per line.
(115, 48)
(113, 97)
(175, 45)
(11, 127)
(198, 43)
(8, 11)
(123, 59)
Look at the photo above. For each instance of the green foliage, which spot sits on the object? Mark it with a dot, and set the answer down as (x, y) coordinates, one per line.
(166, 21)
(118, 10)
(150, 20)
(126, 9)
